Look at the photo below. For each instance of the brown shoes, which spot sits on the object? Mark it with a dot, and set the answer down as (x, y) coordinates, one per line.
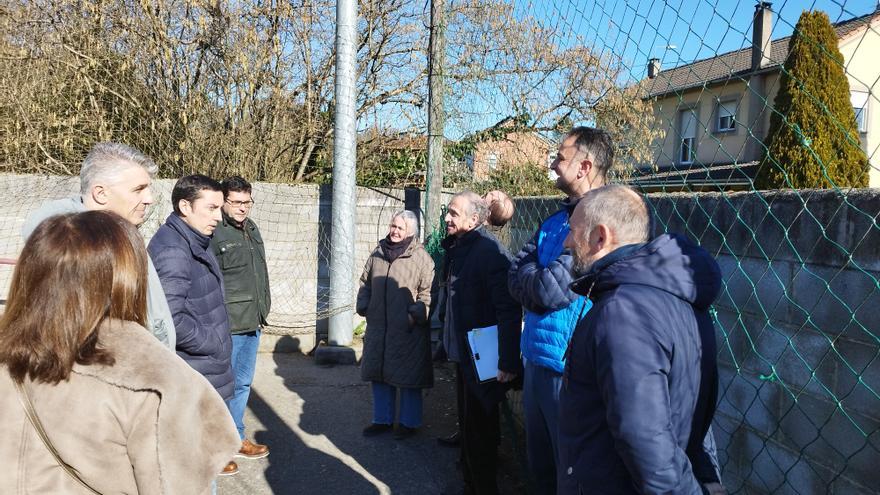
(230, 469)
(250, 450)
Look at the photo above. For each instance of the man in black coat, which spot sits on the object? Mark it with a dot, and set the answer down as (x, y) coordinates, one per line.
(640, 375)
(475, 274)
(193, 282)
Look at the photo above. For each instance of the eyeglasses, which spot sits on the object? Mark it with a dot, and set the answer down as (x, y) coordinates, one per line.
(239, 204)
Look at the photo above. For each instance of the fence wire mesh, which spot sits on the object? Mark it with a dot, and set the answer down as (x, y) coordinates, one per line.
(753, 128)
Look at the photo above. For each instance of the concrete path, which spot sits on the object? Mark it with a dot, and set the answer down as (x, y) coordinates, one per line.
(312, 417)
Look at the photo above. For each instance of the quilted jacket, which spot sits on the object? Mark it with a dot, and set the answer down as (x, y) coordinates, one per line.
(193, 286)
(539, 279)
(396, 352)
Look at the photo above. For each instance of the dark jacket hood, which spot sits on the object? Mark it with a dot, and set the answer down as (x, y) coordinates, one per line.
(670, 263)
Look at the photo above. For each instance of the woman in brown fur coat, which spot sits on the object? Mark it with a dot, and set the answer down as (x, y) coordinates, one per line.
(122, 412)
(394, 296)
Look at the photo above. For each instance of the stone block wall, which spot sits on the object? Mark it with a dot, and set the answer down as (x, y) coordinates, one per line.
(798, 331)
(295, 222)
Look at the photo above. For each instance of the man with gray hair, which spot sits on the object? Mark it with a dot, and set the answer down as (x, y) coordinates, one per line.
(117, 177)
(476, 296)
(640, 376)
(539, 279)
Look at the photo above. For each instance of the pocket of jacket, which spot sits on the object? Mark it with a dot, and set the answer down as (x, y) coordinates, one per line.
(232, 255)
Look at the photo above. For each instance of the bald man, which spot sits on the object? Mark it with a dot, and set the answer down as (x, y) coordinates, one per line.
(640, 377)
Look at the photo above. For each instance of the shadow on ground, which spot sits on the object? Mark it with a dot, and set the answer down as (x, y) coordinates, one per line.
(312, 417)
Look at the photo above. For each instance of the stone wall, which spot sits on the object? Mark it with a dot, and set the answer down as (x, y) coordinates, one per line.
(797, 329)
(294, 221)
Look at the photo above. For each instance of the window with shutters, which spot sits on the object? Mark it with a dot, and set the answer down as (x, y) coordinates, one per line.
(726, 117)
(688, 133)
(859, 100)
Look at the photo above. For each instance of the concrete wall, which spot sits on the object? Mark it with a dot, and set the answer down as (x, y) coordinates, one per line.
(294, 221)
(797, 330)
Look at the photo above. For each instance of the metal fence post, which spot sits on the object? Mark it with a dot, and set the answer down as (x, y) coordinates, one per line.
(344, 153)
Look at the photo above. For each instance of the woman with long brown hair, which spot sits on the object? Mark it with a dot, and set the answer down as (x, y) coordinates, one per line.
(91, 401)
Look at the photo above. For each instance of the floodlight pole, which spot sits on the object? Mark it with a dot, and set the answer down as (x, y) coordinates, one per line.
(344, 153)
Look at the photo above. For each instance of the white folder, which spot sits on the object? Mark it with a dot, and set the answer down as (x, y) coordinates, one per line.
(484, 351)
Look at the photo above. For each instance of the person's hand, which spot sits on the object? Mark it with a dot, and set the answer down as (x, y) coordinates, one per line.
(504, 377)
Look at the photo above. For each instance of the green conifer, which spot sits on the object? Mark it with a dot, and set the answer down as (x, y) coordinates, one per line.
(813, 140)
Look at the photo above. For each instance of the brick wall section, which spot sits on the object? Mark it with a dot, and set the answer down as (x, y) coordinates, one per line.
(797, 330)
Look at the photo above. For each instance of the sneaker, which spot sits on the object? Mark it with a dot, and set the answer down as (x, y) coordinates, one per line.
(230, 469)
(404, 432)
(250, 450)
(376, 429)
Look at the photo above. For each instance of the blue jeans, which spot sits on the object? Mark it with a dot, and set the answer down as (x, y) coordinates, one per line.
(384, 397)
(541, 406)
(244, 361)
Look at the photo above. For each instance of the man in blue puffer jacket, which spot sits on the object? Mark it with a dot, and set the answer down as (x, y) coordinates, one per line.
(192, 280)
(539, 279)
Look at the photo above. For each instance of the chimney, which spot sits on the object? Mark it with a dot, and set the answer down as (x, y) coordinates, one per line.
(762, 30)
(653, 67)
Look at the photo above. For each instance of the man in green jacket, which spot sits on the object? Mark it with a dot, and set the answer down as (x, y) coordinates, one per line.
(239, 249)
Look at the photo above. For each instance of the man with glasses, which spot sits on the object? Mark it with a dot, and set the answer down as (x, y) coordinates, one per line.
(239, 249)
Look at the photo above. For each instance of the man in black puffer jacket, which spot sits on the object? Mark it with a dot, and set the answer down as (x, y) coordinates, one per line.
(640, 378)
(192, 280)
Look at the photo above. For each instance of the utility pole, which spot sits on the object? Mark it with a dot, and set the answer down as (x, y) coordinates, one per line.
(436, 116)
(343, 209)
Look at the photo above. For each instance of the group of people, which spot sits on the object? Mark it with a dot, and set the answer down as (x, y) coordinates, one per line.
(606, 329)
(127, 368)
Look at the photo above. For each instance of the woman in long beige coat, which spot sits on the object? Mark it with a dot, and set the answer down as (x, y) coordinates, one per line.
(394, 296)
(122, 412)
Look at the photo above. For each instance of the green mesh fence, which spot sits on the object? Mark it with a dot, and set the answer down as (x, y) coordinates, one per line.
(750, 128)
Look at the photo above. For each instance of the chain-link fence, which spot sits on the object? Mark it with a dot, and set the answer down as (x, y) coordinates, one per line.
(751, 126)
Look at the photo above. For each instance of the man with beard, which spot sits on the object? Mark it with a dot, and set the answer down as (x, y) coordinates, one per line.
(640, 379)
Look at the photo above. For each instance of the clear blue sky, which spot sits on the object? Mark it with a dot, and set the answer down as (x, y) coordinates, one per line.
(675, 31)
(678, 31)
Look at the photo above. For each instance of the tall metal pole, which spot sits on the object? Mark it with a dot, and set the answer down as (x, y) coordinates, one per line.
(344, 152)
(436, 116)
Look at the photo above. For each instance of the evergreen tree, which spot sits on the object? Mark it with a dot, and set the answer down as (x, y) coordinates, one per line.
(813, 140)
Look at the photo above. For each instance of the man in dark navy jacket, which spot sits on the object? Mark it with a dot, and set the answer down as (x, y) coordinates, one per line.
(638, 389)
(193, 282)
(475, 275)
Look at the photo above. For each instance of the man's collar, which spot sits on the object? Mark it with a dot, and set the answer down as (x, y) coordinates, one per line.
(231, 221)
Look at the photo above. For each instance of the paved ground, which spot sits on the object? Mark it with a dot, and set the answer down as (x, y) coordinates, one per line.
(312, 416)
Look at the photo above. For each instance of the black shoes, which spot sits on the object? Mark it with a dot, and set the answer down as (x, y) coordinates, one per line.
(450, 441)
(376, 429)
(404, 432)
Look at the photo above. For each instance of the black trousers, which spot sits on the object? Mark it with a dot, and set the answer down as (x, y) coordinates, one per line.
(480, 436)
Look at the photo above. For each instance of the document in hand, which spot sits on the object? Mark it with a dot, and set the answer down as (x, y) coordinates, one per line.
(484, 351)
